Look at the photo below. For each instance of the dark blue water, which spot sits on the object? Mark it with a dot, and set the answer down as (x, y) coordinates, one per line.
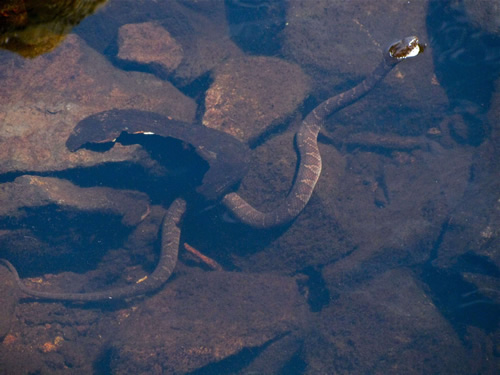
(392, 267)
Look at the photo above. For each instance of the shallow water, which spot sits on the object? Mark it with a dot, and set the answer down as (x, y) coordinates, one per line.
(391, 268)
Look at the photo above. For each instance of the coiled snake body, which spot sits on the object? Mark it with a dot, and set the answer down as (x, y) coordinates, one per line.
(170, 236)
(306, 178)
(309, 168)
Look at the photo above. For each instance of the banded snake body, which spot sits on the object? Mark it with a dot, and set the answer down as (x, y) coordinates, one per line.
(307, 175)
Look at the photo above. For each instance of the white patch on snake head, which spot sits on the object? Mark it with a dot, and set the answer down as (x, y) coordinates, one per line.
(406, 48)
(416, 49)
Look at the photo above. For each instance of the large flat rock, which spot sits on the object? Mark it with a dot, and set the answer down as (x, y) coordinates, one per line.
(43, 99)
(205, 319)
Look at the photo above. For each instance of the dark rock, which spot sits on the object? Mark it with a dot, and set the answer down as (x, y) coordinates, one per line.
(49, 218)
(205, 319)
(9, 297)
(483, 13)
(35, 191)
(226, 156)
(387, 326)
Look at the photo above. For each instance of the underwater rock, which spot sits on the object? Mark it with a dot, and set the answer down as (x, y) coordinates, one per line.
(249, 95)
(205, 318)
(43, 99)
(199, 27)
(226, 157)
(35, 191)
(149, 43)
(484, 14)
(8, 296)
(387, 325)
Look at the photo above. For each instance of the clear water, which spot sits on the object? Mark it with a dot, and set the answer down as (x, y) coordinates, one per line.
(391, 268)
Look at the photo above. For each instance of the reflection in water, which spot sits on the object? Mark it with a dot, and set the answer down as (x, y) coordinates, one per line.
(31, 28)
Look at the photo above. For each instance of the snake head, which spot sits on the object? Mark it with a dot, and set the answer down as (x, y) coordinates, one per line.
(404, 49)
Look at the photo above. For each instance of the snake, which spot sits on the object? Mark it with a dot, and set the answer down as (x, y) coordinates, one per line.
(309, 168)
(220, 153)
(170, 237)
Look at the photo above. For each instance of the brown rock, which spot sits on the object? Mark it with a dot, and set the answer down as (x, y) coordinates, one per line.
(149, 43)
(253, 93)
(43, 99)
(8, 296)
(204, 319)
(199, 27)
(34, 191)
(386, 326)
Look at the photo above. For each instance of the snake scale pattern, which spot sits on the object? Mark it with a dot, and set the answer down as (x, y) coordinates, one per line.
(309, 168)
(170, 237)
(307, 176)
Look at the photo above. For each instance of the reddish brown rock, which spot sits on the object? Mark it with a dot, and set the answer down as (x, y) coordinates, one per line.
(149, 43)
(8, 296)
(42, 100)
(251, 94)
(22, 353)
(207, 318)
(199, 27)
(386, 326)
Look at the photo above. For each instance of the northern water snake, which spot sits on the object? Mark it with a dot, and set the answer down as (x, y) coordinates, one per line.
(228, 157)
(309, 168)
(170, 236)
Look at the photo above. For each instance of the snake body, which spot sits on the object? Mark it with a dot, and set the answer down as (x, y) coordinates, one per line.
(170, 236)
(309, 168)
(107, 126)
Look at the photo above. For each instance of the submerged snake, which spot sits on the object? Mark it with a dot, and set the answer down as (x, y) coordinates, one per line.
(170, 236)
(309, 168)
(305, 180)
